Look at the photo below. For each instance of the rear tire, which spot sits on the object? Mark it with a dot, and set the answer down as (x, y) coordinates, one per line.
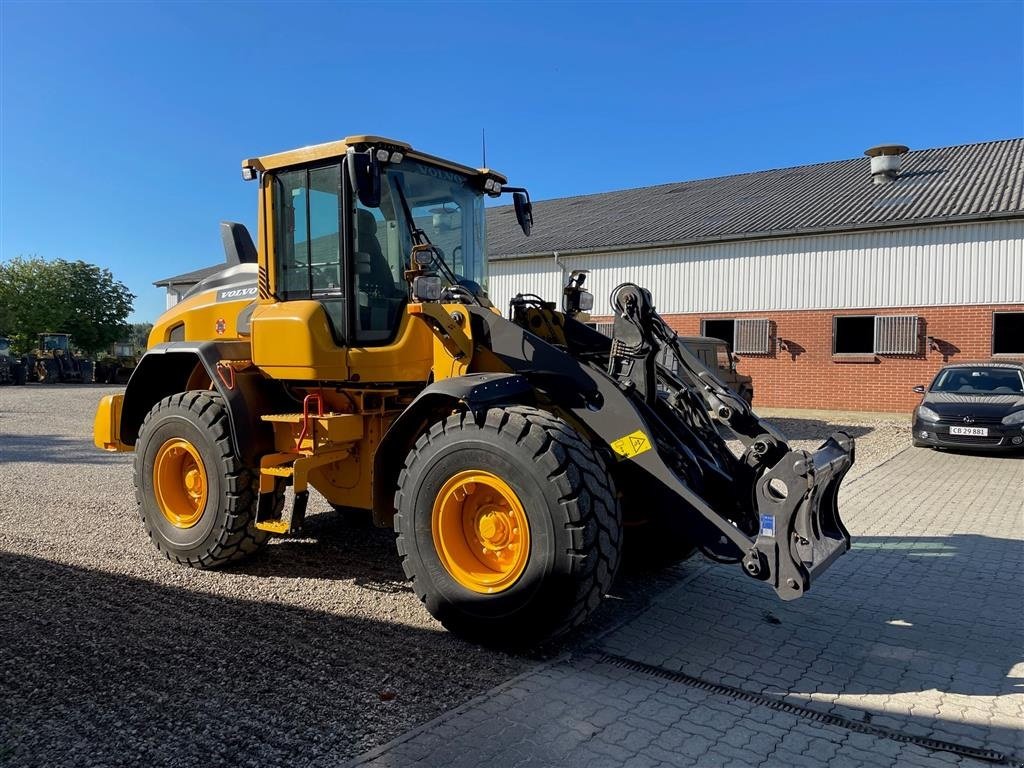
(206, 519)
(553, 482)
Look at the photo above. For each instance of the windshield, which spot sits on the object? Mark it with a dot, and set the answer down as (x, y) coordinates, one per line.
(445, 205)
(980, 381)
(724, 358)
(51, 343)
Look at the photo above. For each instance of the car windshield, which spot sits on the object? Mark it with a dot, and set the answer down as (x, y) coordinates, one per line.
(981, 380)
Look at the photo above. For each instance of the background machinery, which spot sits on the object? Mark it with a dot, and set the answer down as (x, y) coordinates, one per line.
(12, 370)
(116, 366)
(55, 361)
(355, 351)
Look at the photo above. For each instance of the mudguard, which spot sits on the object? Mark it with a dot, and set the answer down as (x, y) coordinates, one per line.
(474, 391)
(165, 370)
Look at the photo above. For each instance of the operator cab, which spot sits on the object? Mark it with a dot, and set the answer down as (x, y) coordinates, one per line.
(55, 342)
(343, 220)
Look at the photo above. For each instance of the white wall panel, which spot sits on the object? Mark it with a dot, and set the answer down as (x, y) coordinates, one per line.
(980, 263)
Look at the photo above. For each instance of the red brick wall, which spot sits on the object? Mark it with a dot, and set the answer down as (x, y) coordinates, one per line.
(810, 377)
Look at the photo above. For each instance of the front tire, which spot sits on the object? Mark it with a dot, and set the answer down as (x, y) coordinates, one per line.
(196, 499)
(508, 526)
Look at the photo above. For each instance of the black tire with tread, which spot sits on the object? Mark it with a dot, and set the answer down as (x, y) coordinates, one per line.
(571, 505)
(226, 526)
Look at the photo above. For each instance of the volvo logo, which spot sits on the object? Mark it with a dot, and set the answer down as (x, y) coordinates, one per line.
(968, 419)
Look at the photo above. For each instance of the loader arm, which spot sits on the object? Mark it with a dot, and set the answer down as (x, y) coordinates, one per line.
(773, 509)
(796, 529)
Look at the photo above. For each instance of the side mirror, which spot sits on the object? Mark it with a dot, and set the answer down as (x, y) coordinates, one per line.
(364, 174)
(524, 212)
(919, 389)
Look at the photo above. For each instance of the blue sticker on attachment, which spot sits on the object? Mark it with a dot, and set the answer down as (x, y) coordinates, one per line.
(767, 525)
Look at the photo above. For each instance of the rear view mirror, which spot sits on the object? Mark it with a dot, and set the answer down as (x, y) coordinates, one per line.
(919, 389)
(524, 211)
(364, 174)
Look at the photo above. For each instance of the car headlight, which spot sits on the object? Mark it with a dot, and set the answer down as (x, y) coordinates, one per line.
(1017, 417)
(926, 414)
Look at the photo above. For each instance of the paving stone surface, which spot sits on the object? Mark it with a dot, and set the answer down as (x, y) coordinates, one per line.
(918, 632)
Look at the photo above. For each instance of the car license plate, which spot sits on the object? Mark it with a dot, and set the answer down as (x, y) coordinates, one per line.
(973, 431)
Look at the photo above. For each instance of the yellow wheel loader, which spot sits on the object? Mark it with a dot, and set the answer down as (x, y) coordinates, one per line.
(353, 349)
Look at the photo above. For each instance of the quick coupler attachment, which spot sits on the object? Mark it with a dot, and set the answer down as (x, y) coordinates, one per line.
(801, 533)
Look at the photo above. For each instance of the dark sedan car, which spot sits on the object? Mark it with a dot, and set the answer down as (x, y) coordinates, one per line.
(973, 405)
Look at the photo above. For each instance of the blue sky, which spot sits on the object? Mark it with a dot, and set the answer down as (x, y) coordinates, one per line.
(123, 125)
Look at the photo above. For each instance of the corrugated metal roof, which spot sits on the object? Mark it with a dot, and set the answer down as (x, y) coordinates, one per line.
(960, 183)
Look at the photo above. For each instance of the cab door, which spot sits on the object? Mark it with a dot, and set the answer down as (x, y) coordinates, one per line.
(301, 330)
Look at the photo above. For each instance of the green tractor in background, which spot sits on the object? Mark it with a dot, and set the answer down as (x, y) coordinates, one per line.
(54, 361)
(116, 366)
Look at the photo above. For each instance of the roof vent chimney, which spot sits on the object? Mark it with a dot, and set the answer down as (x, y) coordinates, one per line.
(885, 162)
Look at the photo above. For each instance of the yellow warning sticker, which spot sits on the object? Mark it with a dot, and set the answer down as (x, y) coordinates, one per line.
(632, 444)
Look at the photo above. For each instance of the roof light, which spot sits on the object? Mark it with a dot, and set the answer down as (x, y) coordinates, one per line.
(397, 157)
(382, 155)
(489, 185)
(497, 187)
(248, 173)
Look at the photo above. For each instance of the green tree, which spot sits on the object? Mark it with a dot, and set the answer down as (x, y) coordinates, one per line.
(73, 297)
(140, 334)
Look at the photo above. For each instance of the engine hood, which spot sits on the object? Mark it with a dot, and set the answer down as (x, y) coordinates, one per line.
(953, 404)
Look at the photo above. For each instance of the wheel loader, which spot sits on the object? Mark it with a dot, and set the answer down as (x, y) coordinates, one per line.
(353, 349)
(116, 365)
(53, 361)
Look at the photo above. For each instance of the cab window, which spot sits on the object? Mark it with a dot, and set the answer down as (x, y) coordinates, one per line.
(306, 225)
(381, 246)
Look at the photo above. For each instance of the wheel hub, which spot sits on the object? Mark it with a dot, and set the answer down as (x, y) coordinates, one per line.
(481, 533)
(179, 482)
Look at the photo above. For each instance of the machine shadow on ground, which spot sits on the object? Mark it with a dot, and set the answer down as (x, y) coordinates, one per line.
(55, 449)
(329, 547)
(126, 671)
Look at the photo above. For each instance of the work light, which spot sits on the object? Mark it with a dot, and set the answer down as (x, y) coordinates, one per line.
(426, 288)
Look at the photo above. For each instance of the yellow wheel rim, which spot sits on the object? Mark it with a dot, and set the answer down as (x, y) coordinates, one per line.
(480, 530)
(180, 483)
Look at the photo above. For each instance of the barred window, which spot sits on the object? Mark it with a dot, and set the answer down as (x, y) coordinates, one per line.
(875, 335)
(896, 334)
(605, 328)
(751, 337)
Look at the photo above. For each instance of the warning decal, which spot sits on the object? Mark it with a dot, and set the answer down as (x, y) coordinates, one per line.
(632, 444)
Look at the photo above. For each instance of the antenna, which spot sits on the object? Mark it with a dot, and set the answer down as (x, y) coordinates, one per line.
(483, 145)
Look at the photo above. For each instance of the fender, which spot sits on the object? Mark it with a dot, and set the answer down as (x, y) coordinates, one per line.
(474, 392)
(165, 370)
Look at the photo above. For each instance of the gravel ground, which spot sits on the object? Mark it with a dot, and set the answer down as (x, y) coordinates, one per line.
(312, 652)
